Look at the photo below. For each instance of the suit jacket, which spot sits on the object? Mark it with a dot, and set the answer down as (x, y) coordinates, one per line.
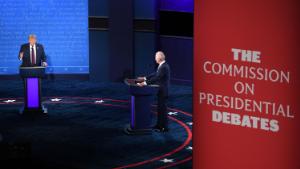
(162, 78)
(40, 55)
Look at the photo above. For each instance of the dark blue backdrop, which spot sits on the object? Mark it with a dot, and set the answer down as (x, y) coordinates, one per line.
(60, 25)
(177, 5)
(179, 50)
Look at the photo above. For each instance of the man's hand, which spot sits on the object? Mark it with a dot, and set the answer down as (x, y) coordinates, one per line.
(21, 55)
(44, 64)
(141, 78)
(141, 84)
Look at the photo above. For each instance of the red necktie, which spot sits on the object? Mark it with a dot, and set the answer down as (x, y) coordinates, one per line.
(32, 56)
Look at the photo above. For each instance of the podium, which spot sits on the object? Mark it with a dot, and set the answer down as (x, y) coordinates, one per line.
(140, 107)
(32, 89)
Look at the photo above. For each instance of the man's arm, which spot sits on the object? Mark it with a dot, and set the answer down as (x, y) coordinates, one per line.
(43, 57)
(151, 75)
(142, 80)
(157, 76)
(21, 52)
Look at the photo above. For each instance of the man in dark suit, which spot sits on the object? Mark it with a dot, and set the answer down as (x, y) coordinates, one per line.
(162, 78)
(32, 54)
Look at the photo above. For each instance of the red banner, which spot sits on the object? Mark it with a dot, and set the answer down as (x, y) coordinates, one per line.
(246, 80)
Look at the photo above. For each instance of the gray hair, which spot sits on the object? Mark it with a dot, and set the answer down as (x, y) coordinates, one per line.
(162, 55)
(32, 36)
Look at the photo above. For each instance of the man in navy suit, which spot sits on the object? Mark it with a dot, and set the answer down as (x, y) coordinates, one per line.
(32, 54)
(162, 78)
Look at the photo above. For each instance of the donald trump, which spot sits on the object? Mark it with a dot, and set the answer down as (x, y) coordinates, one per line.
(32, 54)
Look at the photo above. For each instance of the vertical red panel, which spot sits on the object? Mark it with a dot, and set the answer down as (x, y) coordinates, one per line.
(272, 28)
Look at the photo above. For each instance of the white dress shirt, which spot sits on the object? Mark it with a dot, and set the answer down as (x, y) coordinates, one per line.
(160, 64)
(34, 47)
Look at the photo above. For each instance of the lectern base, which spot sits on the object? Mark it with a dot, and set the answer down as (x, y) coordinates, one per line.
(39, 111)
(128, 130)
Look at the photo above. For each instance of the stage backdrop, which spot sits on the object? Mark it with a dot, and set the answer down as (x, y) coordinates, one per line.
(177, 5)
(60, 25)
(246, 84)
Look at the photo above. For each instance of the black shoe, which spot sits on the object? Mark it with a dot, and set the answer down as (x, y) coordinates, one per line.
(162, 129)
(156, 128)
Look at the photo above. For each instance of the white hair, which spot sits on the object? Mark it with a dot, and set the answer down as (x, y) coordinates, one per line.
(161, 55)
(32, 36)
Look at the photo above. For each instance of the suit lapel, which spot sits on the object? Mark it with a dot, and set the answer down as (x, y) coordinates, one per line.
(28, 51)
(37, 48)
(37, 52)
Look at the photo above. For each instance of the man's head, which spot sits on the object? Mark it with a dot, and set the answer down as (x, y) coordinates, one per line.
(160, 57)
(32, 39)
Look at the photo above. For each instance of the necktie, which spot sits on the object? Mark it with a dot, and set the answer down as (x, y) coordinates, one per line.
(32, 55)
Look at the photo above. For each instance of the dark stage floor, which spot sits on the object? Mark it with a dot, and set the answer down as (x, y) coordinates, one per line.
(84, 129)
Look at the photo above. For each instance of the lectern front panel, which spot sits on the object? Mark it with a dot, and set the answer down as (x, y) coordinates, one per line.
(33, 100)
